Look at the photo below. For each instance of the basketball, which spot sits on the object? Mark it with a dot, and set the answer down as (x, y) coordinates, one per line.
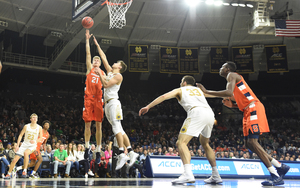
(87, 22)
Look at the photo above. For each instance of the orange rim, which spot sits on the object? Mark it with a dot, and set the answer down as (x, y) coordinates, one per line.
(114, 4)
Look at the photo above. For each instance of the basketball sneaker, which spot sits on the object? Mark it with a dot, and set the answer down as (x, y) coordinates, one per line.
(24, 175)
(213, 180)
(133, 156)
(283, 170)
(122, 158)
(274, 180)
(184, 178)
(34, 176)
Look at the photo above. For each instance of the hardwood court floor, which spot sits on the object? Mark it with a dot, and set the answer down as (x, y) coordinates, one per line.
(133, 182)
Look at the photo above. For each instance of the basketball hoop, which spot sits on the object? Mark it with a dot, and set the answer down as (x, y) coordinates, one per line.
(117, 10)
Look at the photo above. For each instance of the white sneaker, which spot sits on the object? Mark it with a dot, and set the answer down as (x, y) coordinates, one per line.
(122, 158)
(184, 178)
(86, 176)
(133, 156)
(214, 180)
(91, 173)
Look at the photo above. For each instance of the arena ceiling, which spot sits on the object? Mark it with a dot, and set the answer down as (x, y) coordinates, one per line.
(150, 22)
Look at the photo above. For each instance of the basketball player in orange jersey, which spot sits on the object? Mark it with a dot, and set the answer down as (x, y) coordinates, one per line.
(36, 155)
(254, 122)
(113, 111)
(93, 105)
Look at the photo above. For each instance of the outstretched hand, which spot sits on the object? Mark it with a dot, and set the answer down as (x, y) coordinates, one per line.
(87, 34)
(143, 111)
(201, 87)
(95, 41)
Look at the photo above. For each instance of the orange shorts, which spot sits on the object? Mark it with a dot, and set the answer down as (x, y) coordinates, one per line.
(33, 155)
(255, 119)
(93, 109)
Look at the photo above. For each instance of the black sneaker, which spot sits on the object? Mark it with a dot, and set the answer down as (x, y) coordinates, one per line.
(274, 180)
(283, 170)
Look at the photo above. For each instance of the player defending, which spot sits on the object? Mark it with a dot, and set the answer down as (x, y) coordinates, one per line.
(36, 155)
(200, 120)
(113, 110)
(32, 131)
(93, 104)
(254, 122)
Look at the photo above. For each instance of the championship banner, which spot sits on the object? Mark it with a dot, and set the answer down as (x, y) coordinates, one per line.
(138, 58)
(243, 58)
(217, 57)
(276, 58)
(188, 60)
(168, 58)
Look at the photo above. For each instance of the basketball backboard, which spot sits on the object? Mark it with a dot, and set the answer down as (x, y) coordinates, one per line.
(81, 8)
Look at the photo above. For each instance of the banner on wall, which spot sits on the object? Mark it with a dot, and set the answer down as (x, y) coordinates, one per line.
(188, 60)
(217, 57)
(138, 58)
(276, 58)
(169, 60)
(243, 58)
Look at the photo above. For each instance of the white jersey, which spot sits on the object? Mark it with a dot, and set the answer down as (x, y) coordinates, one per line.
(31, 134)
(192, 97)
(111, 92)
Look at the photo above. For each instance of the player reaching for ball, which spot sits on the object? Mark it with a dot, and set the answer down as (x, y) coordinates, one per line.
(254, 122)
(93, 103)
(113, 111)
(199, 121)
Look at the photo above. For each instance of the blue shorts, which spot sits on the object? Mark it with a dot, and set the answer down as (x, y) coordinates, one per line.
(251, 135)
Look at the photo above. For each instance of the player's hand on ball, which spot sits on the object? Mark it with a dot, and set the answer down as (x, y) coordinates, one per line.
(143, 111)
(201, 87)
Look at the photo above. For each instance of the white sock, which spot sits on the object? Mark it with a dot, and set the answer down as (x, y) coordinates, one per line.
(276, 163)
(33, 172)
(273, 171)
(87, 144)
(122, 149)
(215, 171)
(9, 173)
(19, 168)
(98, 148)
(188, 169)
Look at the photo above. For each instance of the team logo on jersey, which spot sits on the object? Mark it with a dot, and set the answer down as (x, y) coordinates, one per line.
(186, 125)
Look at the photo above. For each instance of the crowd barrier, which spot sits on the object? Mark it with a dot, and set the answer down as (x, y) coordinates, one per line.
(167, 166)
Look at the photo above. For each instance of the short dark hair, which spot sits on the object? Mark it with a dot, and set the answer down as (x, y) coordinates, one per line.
(189, 80)
(46, 121)
(231, 65)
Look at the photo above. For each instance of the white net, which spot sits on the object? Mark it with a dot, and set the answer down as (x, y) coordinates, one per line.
(117, 10)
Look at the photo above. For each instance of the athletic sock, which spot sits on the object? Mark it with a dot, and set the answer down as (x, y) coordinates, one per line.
(215, 171)
(273, 171)
(276, 163)
(129, 149)
(121, 150)
(33, 172)
(188, 169)
(98, 148)
(87, 144)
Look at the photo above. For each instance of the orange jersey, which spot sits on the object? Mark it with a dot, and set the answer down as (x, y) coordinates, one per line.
(93, 85)
(45, 137)
(243, 94)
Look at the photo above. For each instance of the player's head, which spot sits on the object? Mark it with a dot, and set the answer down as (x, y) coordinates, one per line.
(226, 68)
(120, 65)
(187, 80)
(96, 61)
(33, 118)
(46, 124)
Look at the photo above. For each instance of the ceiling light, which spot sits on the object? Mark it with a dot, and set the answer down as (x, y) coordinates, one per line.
(242, 5)
(192, 2)
(218, 3)
(249, 5)
(209, 2)
(234, 4)
(226, 4)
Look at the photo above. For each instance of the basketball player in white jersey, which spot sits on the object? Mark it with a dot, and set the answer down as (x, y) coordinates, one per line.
(200, 120)
(113, 111)
(32, 132)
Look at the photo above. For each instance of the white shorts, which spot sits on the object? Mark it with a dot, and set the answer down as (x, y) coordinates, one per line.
(114, 115)
(199, 121)
(24, 147)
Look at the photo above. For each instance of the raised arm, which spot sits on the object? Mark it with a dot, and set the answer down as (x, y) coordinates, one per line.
(88, 52)
(117, 79)
(103, 56)
(0, 66)
(176, 93)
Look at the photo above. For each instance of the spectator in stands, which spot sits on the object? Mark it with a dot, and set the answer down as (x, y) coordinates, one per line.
(8, 147)
(49, 150)
(61, 158)
(108, 155)
(4, 140)
(3, 160)
(159, 152)
(171, 153)
(72, 156)
(82, 161)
